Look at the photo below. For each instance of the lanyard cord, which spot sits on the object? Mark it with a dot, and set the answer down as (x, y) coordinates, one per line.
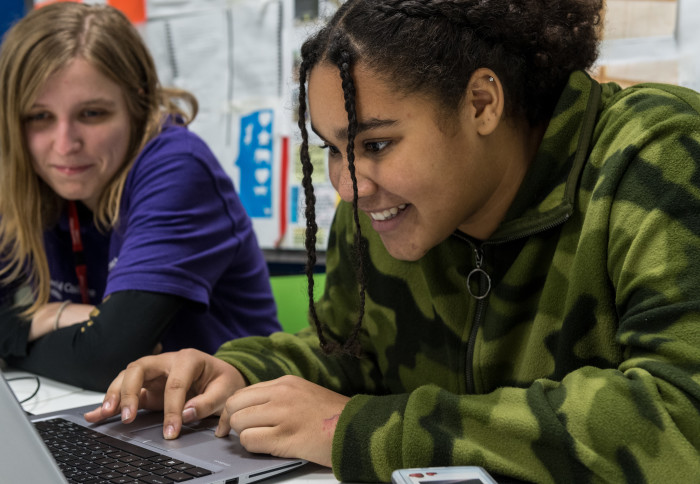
(79, 256)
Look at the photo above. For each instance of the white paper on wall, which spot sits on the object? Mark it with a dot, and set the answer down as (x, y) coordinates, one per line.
(235, 57)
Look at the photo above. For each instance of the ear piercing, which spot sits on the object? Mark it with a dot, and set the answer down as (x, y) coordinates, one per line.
(490, 78)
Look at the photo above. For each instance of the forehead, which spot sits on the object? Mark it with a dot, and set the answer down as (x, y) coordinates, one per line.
(78, 80)
(375, 99)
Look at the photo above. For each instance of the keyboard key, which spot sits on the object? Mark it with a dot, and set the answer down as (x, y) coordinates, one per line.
(164, 471)
(179, 477)
(123, 480)
(197, 472)
(127, 447)
(159, 458)
(139, 474)
(127, 469)
(155, 480)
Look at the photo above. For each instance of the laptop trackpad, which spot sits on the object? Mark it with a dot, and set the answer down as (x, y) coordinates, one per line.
(190, 435)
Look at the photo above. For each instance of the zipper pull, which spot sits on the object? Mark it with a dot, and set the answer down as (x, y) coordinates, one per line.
(478, 271)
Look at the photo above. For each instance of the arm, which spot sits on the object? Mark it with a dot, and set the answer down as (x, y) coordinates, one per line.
(124, 327)
(184, 232)
(58, 314)
(17, 332)
(280, 354)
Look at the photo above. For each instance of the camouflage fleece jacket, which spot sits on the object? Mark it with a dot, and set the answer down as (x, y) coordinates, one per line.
(581, 363)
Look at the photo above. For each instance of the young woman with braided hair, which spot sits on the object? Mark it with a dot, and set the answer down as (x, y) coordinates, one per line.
(511, 276)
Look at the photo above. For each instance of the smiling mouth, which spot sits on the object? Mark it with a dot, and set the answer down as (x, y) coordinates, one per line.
(387, 214)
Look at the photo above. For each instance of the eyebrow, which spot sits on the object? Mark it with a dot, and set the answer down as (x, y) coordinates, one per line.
(368, 125)
(88, 102)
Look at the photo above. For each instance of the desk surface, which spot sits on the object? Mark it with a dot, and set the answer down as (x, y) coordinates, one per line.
(53, 396)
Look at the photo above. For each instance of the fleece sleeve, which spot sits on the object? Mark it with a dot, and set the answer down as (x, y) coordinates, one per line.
(266, 358)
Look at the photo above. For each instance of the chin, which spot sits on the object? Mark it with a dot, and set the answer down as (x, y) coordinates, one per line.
(404, 253)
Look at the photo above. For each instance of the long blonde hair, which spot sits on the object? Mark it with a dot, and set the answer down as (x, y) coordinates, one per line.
(36, 47)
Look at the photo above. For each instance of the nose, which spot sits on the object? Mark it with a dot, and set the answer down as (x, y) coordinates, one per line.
(365, 185)
(67, 138)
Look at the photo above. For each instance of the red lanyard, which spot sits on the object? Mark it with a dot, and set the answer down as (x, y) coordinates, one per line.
(80, 267)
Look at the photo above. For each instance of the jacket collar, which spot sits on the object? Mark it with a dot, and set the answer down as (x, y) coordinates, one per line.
(546, 196)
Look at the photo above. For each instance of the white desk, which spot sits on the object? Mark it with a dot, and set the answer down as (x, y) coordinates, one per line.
(53, 396)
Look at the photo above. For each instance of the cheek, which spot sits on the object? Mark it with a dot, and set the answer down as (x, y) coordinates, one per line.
(334, 173)
(34, 143)
(113, 144)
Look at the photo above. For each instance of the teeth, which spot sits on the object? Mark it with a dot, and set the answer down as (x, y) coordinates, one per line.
(387, 214)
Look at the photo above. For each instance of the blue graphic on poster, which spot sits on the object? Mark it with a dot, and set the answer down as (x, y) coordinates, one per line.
(294, 205)
(255, 163)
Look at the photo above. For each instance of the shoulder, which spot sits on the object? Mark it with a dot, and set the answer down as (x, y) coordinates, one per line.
(175, 168)
(176, 153)
(647, 152)
(645, 119)
(651, 103)
(176, 141)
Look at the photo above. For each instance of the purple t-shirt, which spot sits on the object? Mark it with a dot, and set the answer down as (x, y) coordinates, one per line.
(182, 230)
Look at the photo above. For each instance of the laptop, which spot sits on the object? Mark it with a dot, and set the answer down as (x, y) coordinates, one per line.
(61, 447)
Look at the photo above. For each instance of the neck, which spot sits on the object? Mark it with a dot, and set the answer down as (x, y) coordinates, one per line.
(90, 204)
(513, 146)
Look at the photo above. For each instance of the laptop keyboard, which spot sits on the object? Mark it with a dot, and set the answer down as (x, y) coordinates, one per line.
(89, 457)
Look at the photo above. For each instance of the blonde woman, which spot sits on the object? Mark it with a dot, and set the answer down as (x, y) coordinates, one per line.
(121, 223)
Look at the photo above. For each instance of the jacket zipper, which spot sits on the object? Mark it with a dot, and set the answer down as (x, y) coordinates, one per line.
(484, 289)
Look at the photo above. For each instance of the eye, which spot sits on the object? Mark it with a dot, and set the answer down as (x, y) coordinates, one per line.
(332, 150)
(376, 146)
(36, 117)
(92, 114)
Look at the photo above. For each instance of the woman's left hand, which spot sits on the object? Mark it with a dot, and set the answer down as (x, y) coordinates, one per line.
(286, 417)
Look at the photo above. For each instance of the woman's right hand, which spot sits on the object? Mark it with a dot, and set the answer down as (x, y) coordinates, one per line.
(187, 385)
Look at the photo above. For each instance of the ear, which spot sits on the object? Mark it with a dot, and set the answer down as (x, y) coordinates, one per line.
(484, 100)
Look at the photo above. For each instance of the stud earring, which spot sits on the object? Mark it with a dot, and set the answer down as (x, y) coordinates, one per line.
(490, 79)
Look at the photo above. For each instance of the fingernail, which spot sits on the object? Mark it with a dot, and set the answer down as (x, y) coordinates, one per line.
(126, 413)
(219, 431)
(169, 432)
(189, 415)
(107, 406)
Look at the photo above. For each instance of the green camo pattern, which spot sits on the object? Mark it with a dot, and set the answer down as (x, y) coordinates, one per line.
(582, 364)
